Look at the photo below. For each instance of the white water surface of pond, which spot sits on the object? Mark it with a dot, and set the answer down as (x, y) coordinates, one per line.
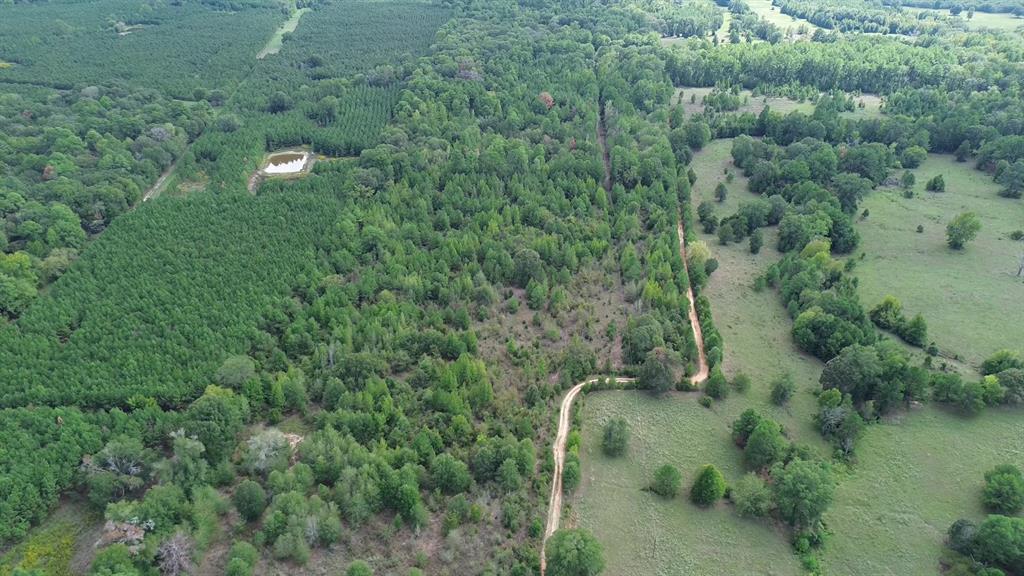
(286, 163)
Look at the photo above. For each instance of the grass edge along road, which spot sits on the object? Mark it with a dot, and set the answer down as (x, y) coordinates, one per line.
(565, 409)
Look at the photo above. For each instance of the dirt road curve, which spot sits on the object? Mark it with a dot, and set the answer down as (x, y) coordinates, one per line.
(555, 503)
(565, 413)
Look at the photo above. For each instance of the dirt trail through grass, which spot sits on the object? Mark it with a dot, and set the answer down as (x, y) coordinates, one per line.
(698, 335)
(565, 410)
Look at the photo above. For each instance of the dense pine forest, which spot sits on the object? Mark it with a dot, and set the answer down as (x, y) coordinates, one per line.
(358, 368)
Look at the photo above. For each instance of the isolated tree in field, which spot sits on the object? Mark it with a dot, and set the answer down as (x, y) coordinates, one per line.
(782, 390)
(913, 156)
(574, 552)
(756, 241)
(709, 487)
(936, 184)
(615, 438)
(741, 382)
(962, 230)
(751, 496)
(803, 490)
(1004, 490)
(721, 192)
(667, 481)
(907, 180)
(656, 372)
(765, 446)
(250, 499)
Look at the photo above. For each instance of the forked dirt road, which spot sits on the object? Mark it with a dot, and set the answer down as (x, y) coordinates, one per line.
(565, 412)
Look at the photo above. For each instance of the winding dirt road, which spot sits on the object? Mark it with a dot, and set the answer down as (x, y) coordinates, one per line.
(565, 412)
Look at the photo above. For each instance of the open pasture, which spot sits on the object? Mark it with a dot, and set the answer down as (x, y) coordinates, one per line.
(970, 298)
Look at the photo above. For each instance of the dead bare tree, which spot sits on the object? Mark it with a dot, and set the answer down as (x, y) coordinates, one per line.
(1020, 270)
(175, 555)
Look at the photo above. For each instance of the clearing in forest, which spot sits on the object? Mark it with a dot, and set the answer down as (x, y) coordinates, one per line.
(979, 20)
(967, 296)
(753, 104)
(755, 326)
(642, 533)
(765, 9)
(277, 40)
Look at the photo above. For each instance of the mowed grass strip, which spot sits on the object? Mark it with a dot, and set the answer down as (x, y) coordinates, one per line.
(971, 298)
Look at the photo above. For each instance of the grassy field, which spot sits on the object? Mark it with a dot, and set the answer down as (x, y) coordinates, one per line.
(754, 104)
(872, 107)
(967, 297)
(644, 534)
(980, 20)
(755, 326)
(722, 33)
(764, 9)
(911, 481)
(277, 40)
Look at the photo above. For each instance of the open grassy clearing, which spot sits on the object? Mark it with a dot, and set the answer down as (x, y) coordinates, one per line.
(755, 326)
(722, 33)
(754, 104)
(766, 10)
(872, 107)
(644, 534)
(968, 297)
(911, 481)
(64, 543)
(980, 20)
(277, 40)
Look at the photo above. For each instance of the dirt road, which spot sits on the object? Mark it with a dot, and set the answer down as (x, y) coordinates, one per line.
(555, 503)
(698, 335)
(565, 413)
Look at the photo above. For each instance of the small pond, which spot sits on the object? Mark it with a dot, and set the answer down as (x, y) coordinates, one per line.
(286, 163)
